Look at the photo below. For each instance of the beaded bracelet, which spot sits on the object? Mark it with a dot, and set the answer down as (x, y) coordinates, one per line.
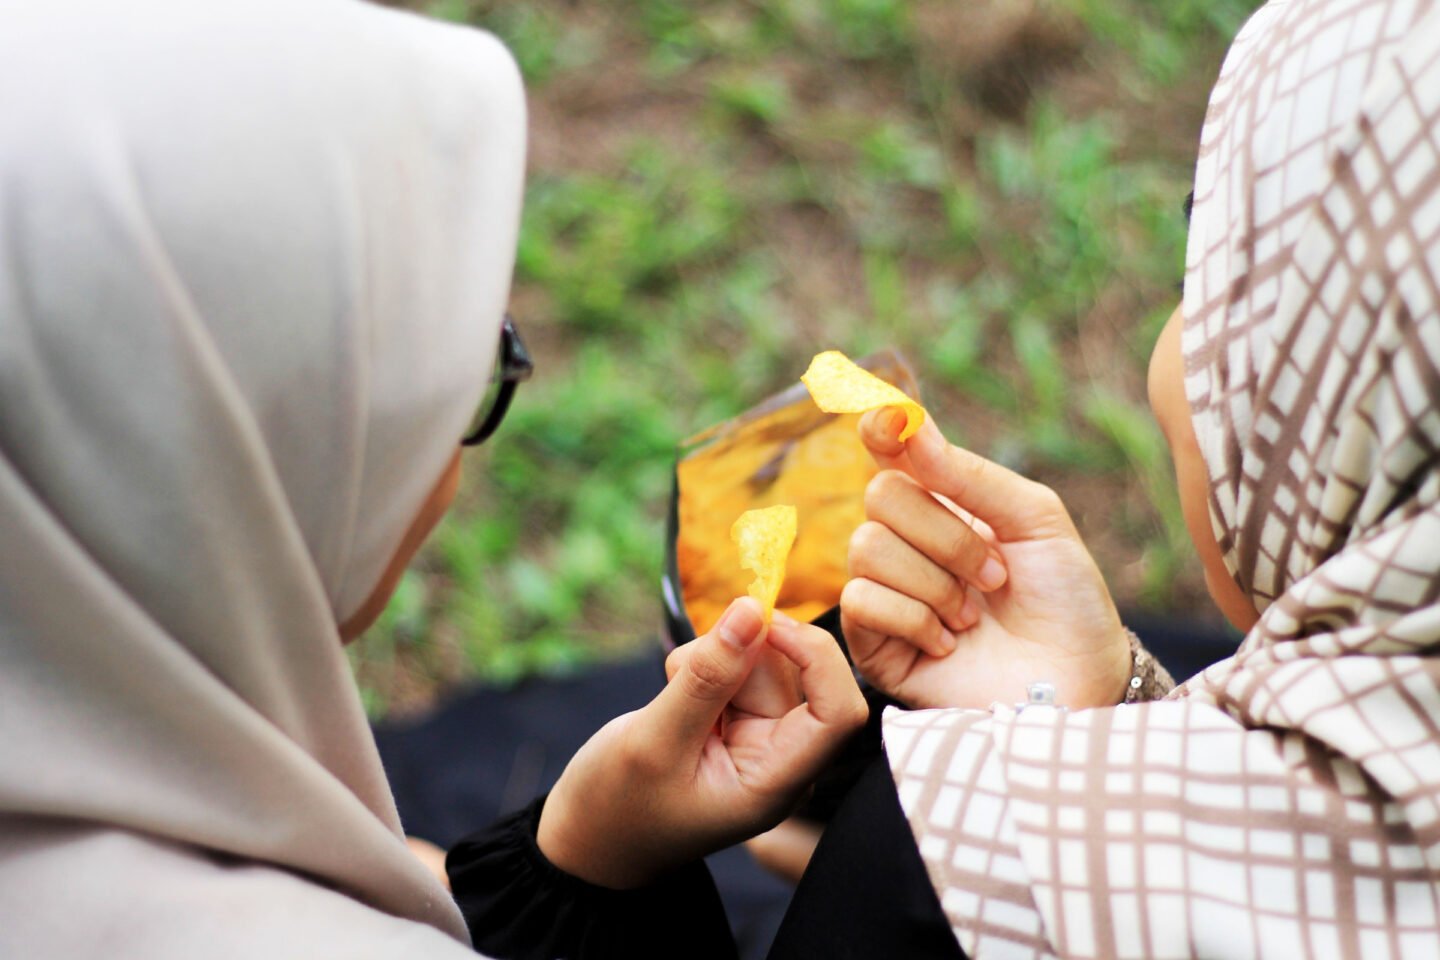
(1148, 679)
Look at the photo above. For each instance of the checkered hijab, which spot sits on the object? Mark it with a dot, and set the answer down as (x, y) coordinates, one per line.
(1286, 802)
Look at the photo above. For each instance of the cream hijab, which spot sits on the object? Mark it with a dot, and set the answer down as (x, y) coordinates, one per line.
(253, 259)
(1286, 802)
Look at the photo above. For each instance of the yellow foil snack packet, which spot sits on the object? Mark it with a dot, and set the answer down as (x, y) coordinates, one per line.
(795, 455)
(764, 537)
(839, 386)
(784, 450)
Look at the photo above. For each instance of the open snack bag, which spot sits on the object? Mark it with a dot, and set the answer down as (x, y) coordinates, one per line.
(784, 451)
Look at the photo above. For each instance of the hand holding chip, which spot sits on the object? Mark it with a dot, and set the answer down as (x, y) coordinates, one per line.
(969, 582)
(692, 771)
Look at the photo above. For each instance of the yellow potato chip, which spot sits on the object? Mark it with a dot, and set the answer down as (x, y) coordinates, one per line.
(764, 537)
(839, 386)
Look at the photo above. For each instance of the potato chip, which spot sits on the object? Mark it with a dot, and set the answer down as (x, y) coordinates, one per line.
(764, 537)
(839, 386)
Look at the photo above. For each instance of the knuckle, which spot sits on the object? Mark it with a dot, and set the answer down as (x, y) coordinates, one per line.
(882, 491)
(857, 710)
(646, 764)
(1046, 498)
(980, 469)
(674, 662)
(638, 756)
(914, 621)
(865, 543)
(706, 678)
(860, 640)
(961, 549)
(854, 598)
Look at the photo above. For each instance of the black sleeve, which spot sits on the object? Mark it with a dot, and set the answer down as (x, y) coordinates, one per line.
(518, 905)
(866, 893)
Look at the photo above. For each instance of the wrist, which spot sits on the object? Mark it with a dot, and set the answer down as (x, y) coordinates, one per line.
(573, 851)
(1127, 671)
(556, 841)
(1109, 682)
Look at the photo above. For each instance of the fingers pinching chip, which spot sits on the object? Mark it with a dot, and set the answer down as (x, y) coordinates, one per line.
(839, 386)
(764, 537)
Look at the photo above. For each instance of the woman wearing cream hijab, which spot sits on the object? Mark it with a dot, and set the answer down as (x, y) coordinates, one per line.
(252, 266)
(253, 262)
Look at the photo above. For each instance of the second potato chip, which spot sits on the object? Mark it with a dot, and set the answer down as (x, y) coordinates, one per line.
(764, 537)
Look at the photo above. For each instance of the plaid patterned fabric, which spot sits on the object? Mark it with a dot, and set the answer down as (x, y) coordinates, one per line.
(1286, 802)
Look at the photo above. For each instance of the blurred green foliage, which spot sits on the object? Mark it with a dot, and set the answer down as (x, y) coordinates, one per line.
(718, 190)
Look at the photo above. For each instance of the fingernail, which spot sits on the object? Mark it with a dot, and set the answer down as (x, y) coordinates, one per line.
(780, 616)
(969, 613)
(740, 625)
(992, 574)
(893, 420)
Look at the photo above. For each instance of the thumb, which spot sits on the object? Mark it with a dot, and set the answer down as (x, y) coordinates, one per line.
(708, 676)
(1015, 507)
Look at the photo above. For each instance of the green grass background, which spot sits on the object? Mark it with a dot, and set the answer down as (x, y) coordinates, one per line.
(718, 190)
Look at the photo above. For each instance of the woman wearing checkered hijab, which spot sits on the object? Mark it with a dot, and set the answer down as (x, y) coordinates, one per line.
(1285, 802)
